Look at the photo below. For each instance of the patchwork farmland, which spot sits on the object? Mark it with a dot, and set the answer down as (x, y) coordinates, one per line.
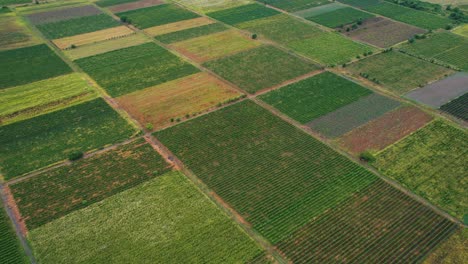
(247, 131)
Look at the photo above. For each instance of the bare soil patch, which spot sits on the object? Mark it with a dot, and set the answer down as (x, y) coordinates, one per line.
(63, 14)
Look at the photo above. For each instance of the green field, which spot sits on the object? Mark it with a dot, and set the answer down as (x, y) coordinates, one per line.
(320, 10)
(361, 3)
(398, 72)
(432, 163)
(167, 220)
(260, 68)
(30, 64)
(10, 248)
(273, 174)
(134, 68)
(13, 2)
(76, 26)
(26, 101)
(243, 13)
(330, 48)
(452, 251)
(34, 143)
(56, 193)
(157, 15)
(315, 96)
(294, 5)
(105, 3)
(14, 32)
(191, 33)
(340, 17)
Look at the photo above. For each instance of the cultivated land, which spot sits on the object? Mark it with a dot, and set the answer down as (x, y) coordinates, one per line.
(41, 141)
(260, 68)
(191, 33)
(164, 104)
(340, 17)
(315, 11)
(132, 5)
(385, 130)
(461, 30)
(63, 14)
(205, 6)
(294, 5)
(244, 13)
(423, 161)
(126, 70)
(14, 33)
(10, 248)
(316, 96)
(215, 46)
(28, 65)
(398, 72)
(54, 194)
(457, 107)
(452, 251)
(353, 115)
(166, 219)
(277, 177)
(105, 3)
(178, 26)
(96, 36)
(29, 100)
(13, 2)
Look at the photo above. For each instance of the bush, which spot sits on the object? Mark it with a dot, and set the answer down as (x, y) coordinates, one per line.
(411, 40)
(76, 155)
(254, 36)
(149, 126)
(367, 156)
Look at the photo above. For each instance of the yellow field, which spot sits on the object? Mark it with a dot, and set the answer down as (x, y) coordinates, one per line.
(93, 37)
(14, 33)
(175, 99)
(177, 26)
(461, 30)
(214, 46)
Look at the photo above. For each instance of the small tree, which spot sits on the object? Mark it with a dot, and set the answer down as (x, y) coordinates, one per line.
(75, 155)
(367, 156)
(411, 40)
(149, 126)
(73, 46)
(254, 36)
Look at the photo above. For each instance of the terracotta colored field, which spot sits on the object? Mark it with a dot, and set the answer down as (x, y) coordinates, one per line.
(177, 26)
(175, 99)
(214, 46)
(134, 5)
(386, 130)
(97, 36)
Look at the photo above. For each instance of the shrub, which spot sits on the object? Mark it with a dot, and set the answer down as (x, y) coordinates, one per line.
(149, 126)
(254, 36)
(367, 156)
(76, 155)
(411, 40)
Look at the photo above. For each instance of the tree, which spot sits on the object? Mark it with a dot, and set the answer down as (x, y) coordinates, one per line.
(254, 36)
(367, 156)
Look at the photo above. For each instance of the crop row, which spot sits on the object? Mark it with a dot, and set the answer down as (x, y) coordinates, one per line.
(10, 248)
(457, 107)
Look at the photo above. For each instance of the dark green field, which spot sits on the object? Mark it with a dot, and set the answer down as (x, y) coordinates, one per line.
(457, 107)
(11, 251)
(105, 3)
(191, 33)
(294, 5)
(243, 13)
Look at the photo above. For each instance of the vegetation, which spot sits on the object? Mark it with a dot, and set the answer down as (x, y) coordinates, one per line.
(462, 30)
(260, 68)
(277, 177)
(14, 33)
(178, 26)
(61, 13)
(41, 141)
(339, 17)
(115, 71)
(361, 3)
(191, 33)
(294, 5)
(452, 251)
(105, 3)
(195, 230)
(423, 160)
(457, 107)
(243, 13)
(13, 2)
(367, 156)
(10, 248)
(315, 96)
(92, 37)
(28, 65)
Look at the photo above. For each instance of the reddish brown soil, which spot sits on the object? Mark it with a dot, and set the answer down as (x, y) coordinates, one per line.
(386, 130)
(134, 5)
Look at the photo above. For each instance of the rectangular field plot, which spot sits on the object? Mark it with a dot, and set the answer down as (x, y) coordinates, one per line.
(353, 115)
(382, 32)
(191, 33)
(260, 68)
(313, 97)
(215, 46)
(461, 30)
(340, 17)
(243, 13)
(457, 107)
(164, 220)
(63, 14)
(398, 72)
(41, 141)
(432, 163)
(14, 33)
(273, 174)
(30, 64)
(105, 46)
(178, 26)
(10, 247)
(132, 5)
(26, 101)
(157, 15)
(315, 11)
(89, 38)
(379, 225)
(176, 99)
(385, 130)
(441, 92)
(451, 251)
(105, 3)
(56, 193)
(330, 48)
(294, 5)
(76, 26)
(134, 68)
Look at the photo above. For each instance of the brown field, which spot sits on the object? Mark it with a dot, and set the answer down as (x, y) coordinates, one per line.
(134, 5)
(14, 33)
(386, 130)
(214, 46)
(93, 37)
(177, 26)
(382, 32)
(175, 99)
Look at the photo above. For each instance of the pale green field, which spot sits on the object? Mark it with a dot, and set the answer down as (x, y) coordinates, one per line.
(461, 30)
(212, 5)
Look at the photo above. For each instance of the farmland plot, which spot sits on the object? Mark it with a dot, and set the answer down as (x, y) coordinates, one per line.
(205, 6)
(13, 2)
(132, 5)
(260, 68)
(353, 115)
(277, 177)
(41, 141)
(134, 68)
(313, 97)
(56, 193)
(176, 99)
(178, 26)
(105, 3)
(157, 15)
(452, 251)
(432, 163)
(190, 33)
(89, 38)
(26, 101)
(27, 65)
(164, 220)
(461, 30)
(361, 3)
(385, 130)
(10, 248)
(294, 5)
(244, 13)
(379, 225)
(14, 33)
(63, 14)
(457, 107)
(398, 72)
(340, 17)
(315, 11)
